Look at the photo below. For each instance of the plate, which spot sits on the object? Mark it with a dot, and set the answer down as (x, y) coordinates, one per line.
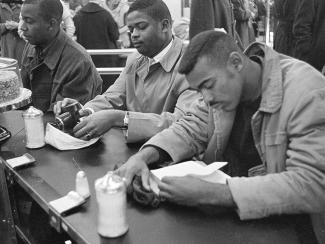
(25, 97)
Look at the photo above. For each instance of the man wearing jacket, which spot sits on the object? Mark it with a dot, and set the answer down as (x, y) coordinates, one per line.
(276, 146)
(150, 94)
(53, 65)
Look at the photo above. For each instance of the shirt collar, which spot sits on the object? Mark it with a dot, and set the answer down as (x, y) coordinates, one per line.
(272, 84)
(52, 52)
(161, 55)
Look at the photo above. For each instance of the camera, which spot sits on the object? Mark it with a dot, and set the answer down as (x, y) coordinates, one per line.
(68, 118)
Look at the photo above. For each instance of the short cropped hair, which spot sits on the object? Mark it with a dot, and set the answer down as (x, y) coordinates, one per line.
(48, 9)
(156, 9)
(214, 45)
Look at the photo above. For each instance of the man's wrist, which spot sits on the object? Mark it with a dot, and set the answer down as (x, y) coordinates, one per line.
(148, 155)
(218, 195)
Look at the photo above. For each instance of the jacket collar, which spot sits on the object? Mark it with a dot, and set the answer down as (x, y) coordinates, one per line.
(171, 57)
(272, 85)
(53, 51)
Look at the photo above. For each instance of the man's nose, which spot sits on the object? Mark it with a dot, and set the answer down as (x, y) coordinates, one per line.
(134, 33)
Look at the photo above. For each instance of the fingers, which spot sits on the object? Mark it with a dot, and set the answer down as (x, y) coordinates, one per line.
(57, 109)
(165, 195)
(84, 112)
(145, 179)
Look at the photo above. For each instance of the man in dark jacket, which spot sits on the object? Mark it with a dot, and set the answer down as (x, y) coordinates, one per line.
(96, 29)
(53, 65)
(309, 32)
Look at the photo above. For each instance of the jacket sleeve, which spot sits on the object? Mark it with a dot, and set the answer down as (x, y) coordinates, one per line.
(303, 28)
(143, 126)
(83, 83)
(115, 96)
(188, 136)
(300, 188)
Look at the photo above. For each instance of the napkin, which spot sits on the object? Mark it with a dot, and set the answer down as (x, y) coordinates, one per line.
(63, 141)
(198, 169)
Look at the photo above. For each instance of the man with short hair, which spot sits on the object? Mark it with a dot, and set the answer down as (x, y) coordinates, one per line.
(276, 146)
(150, 94)
(53, 65)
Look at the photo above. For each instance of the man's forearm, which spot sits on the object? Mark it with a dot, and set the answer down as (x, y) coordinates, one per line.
(217, 195)
(149, 155)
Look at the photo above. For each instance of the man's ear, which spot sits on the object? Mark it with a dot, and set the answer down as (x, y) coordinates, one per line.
(236, 61)
(53, 23)
(165, 25)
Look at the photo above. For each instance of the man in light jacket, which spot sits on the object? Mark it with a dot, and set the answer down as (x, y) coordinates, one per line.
(276, 146)
(150, 94)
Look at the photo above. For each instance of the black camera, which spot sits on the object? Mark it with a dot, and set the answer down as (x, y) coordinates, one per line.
(68, 118)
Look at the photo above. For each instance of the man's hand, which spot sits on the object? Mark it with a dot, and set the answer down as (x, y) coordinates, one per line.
(192, 191)
(98, 123)
(57, 109)
(138, 165)
(135, 166)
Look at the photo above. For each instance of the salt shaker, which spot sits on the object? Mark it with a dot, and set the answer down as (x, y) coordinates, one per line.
(111, 199)
(82, 186)
(34, 128)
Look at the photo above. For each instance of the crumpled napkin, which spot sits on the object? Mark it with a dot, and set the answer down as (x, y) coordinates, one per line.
(64, 141)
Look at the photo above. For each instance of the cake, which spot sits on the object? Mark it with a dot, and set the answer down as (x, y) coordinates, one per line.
(9, 86)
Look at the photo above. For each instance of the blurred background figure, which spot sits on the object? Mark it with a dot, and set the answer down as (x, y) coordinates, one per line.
(181, 28)
(309, 32)
(118, 9)
(12, 45)
(67, 22)
(96, 29)
(76, 5)
(284, 15)
(210, 14)
(244, 12)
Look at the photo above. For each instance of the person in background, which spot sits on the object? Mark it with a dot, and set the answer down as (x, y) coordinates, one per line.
(67, 22)
(53, 65)
(119, 9)
(284, 15)
(11, 44)
(181, 28)
(243, 15)
(275, 150)
(150, 94)
(96, 29)
(309, 32)
(210, 14)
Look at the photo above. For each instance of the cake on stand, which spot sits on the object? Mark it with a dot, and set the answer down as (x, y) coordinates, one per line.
(24, 98)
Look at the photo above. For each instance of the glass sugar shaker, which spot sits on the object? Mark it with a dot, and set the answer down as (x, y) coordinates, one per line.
(34, 128)
(111, 199)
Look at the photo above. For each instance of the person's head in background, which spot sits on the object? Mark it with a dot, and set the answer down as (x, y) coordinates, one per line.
(41, 21)
(215, 66)
(150, 25)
